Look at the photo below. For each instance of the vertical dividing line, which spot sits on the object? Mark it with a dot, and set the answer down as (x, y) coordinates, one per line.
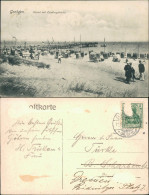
(62, 153)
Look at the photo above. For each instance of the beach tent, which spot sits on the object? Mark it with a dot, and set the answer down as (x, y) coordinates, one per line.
(129, 55)
(52, 52)
(82, 54)
(123, 55)
(142, 56)
(105, 55)
(98, 55)
(44, 53)
(71, 51)
(8, 51)
(5, 52)
(135, 56)
(92, 56)
(20, 52)
(65, 55)
(35, 56)
(25, 54)
(56, 54)
(95, 57)
(110, 53)
(77, 55)
(148, 56)
(116, 58)
(12, 51)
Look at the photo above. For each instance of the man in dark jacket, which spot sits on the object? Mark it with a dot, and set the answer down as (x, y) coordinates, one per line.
(141, 70)
(128, 72)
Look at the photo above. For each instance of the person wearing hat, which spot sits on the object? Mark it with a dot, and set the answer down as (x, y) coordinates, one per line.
(128, 72)
(141, 70)
(132, 72)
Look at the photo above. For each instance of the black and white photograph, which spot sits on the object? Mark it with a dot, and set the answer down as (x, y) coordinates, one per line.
(74, 49)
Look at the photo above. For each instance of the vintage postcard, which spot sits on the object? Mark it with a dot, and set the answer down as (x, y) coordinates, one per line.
(74, 49)
(74, 146)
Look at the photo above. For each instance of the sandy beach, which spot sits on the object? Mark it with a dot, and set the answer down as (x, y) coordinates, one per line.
(72, 78)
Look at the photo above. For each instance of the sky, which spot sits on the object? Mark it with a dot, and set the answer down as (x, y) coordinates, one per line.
(66, 21)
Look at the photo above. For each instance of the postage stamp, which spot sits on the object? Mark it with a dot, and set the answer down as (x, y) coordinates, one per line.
(135, 120)
(129, 122)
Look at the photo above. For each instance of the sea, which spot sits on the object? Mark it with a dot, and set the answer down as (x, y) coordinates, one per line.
(128, 47)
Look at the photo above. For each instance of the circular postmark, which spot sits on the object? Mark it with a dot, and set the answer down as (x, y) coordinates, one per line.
(123, 132)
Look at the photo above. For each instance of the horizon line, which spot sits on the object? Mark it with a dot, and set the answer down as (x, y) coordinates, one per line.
(67, 41)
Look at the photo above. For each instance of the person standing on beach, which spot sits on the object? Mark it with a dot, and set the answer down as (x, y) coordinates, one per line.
(141, 70)
(59, 59)
(132, 72)
(128, 72)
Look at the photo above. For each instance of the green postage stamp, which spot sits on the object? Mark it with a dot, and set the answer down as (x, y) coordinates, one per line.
(136, 119)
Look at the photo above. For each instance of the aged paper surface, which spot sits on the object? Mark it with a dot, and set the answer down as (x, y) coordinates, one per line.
(74, 146)
(74, 49)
